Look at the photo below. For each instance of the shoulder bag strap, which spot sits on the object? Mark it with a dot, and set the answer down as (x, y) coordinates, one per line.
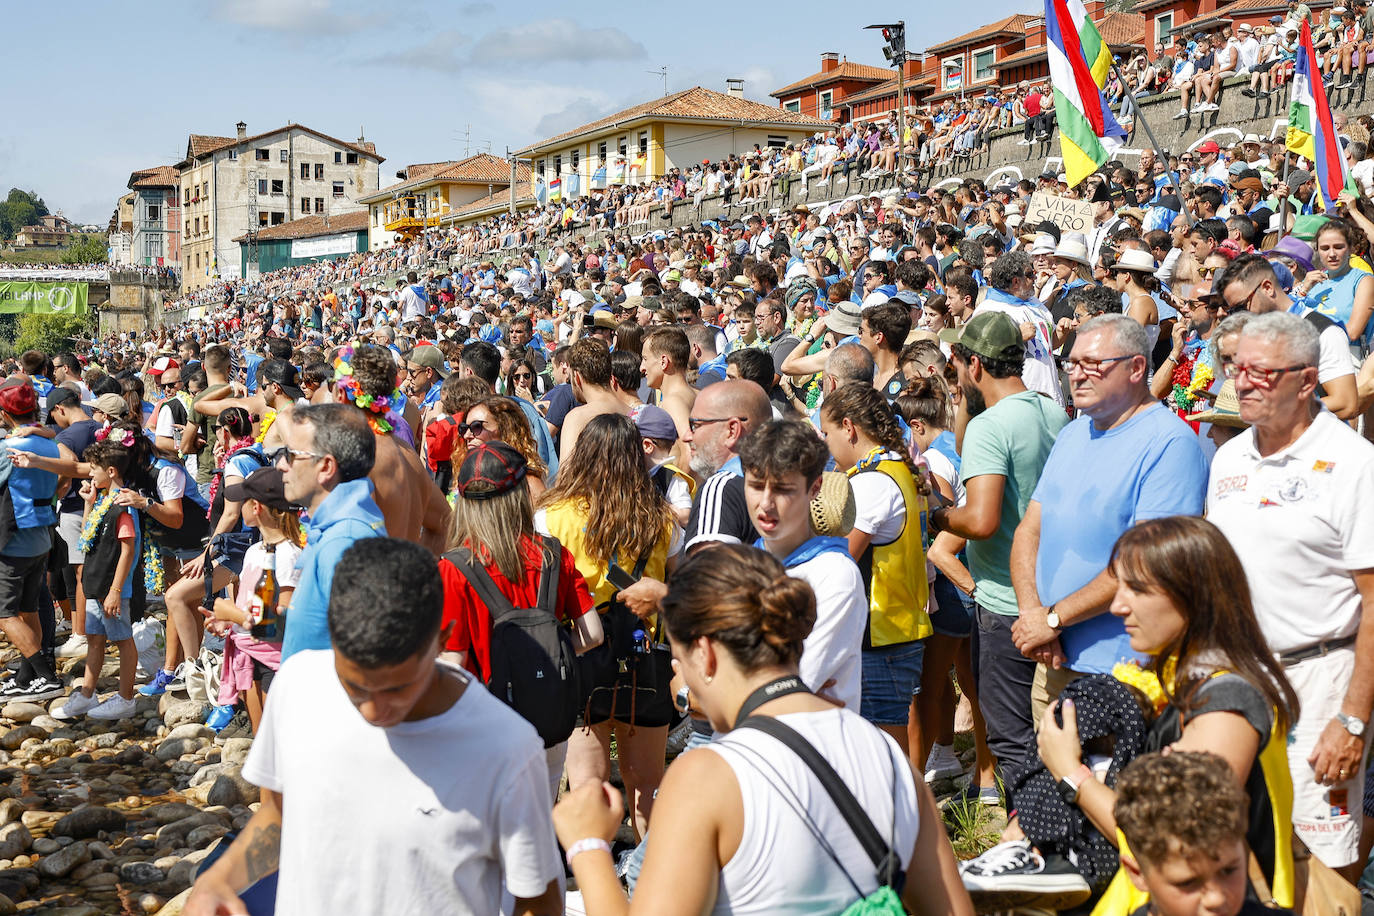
(497, 603)
(548, 573)
(884, 859)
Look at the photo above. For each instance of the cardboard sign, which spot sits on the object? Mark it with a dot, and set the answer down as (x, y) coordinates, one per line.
(1068, 214)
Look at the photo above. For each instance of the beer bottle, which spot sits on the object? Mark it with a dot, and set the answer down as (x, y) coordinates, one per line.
(267, 621)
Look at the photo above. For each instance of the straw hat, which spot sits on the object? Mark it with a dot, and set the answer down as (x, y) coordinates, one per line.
(1137, 260)
(1224, 412)
(833, 510)
(1071, 249)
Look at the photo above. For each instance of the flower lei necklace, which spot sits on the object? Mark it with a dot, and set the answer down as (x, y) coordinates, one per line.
(269, 416)
(153, 574)
(344, 381)
(1191, 376)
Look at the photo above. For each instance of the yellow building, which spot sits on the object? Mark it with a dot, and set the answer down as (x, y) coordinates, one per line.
(643, 143)
(432, 191)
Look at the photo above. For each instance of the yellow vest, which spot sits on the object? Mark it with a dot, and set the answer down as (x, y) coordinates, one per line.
(896, 571)
(567, 521)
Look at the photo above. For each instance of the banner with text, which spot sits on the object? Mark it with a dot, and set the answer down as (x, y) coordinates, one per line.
(1069, 214)
(43, 298)
(324, 246)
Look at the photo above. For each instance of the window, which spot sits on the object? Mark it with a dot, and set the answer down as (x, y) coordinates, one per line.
(982, 63)
(576, 160)
(277, 186)
(285, 156)
(305, 205)
(601, 151)
(305, 171)
(825, 105)
(643, 142)
(153, 213)
(557, 166)
(319, 204)
(338, 157)
(338, 189)
(541, 167)
(278, 217)
(263, 155)
(351, 158)
(1164, 24)
(262, 185)
(319, 171)
(623, 145)
(262, 218)
(792, 105)
(186, 197)
(776, 142)
(233, 154)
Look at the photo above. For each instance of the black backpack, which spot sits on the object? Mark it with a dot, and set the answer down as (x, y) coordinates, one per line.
(533, 664)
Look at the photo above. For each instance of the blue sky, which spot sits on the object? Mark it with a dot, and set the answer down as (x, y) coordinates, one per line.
(120, 86)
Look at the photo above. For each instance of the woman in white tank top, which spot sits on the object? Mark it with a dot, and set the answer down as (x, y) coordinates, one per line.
(743, 825)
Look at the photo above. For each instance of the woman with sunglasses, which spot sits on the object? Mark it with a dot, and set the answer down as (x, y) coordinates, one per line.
(499, 418)
(607, 512)
(522, 381)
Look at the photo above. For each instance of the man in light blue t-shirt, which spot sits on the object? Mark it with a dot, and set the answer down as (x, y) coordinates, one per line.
(1126, 459)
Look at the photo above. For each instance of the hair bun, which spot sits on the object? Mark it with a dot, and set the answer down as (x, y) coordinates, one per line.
(787, 612)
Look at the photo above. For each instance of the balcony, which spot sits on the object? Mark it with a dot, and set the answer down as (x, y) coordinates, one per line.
(404, 222)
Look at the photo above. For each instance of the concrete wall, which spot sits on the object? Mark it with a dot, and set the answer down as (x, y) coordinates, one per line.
(131, 307)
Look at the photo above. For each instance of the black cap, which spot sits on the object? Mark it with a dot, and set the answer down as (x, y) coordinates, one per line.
(264, 485)
(59, 395)
(489, 470)
(281, 372)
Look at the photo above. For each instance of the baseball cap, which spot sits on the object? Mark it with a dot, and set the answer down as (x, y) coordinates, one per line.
(490, 469)
(1297, 178)
(17, 397)
(654, 422)
(162, 364)
(58, 396)
(111, 405)
(430, 358)
(264, 485)
(1209, 146)
(281, 372)
(992, 335)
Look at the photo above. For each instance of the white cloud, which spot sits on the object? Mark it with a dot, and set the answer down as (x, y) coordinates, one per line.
(317, 16)
(528, 110)
(506, 48)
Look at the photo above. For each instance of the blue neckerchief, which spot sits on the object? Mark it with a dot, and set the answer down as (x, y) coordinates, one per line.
(811, 549)
(996, 295)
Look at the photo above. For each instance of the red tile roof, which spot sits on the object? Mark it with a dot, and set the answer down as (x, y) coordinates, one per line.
(204, 144)
(162, 176)
(1240, 8)
(310, 226)
(847, 70)
(1013, 24)
(695, 104)
(889, 88)
(482, 168)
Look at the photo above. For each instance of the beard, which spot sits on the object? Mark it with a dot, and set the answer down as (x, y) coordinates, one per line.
(974, 401)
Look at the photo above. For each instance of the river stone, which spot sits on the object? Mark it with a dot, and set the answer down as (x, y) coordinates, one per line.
(141, 873)
(44, 846)
(22, 712)
(150, 903)
(100, 850)
(174, 834)
(82, 872)
(63, 861)
(82, 909)
(10, 811)
(89, 820)
(206, 773)
(109, 739)
(40, 820)
(181, 712)
(192, 730)
(48, 722)
(15, 737)
(230, 789)
(61, 747)
(204, 836)
(235, 750)
(7, 906)
(169, 812)
(15, 840)
(173, 748)
(98, 880)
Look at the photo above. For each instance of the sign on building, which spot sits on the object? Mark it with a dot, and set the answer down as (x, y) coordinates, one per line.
(324, 246)
(42, 298)
(1068, 214)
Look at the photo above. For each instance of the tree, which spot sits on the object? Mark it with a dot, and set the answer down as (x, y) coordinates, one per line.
(88, 249)
(20, 209)
(51, 333)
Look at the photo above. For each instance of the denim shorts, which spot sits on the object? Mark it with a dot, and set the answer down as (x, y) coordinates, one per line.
(112, 628)
(891, 677)
(953, 615)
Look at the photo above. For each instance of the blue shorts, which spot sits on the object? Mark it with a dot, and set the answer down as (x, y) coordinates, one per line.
(953, 615)
(112, 628)
(891, 677)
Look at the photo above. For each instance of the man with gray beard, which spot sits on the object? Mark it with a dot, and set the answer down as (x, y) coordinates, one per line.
(721, 416)
(1008, 438)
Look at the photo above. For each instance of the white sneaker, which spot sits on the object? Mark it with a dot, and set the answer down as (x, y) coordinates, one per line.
(942, 764)
(74, 647)
(116, 707)
(78, 704)
(1182, 113)
(1023, 142)
(62, 628)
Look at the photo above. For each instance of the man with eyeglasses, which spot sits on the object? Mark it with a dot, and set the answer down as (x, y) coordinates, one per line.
(1250, 284)
(328, 454)
(721, 416)
(1125, 459)
(1293, 495)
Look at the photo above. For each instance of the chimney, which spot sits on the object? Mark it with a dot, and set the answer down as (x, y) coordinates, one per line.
(830, 60)
(735, 87)
(912, 66)
(242, 129)
(1035, 33)
(1097, 9)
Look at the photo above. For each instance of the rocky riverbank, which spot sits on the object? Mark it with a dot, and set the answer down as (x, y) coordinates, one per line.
(112, 817)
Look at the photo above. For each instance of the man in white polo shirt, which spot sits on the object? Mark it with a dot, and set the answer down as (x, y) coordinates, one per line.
(1295, 496)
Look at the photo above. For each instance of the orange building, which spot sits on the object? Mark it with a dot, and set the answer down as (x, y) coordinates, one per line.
(823, 94)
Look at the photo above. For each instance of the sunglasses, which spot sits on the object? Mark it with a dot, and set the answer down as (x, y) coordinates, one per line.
(476, 427)
(524, 375)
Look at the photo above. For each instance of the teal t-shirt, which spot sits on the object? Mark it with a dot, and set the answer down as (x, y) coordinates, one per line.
(1012, 438)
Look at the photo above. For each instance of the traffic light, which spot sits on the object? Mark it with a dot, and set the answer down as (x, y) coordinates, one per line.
(895, 48)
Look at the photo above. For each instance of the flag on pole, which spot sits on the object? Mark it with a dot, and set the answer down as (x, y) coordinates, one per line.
(573, 186)
(1311, 133)
(1079, 64)
(599, 177)
(556, 189)
(541, 191)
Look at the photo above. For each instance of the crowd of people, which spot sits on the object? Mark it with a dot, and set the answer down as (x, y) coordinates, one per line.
(748, 508)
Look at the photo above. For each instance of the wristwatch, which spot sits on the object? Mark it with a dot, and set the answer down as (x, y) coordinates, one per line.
(1052, 619)
(1351, 724)
(1068, 786)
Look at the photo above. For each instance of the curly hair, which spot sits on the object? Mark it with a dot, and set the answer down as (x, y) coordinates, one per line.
(374, 368)
(870, 412)
(626, 514)
(1185, 803)
(512, 428)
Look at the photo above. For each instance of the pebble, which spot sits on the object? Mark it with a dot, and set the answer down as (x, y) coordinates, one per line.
(180, 712)
(15, 840)
(150, 903)
(173, 748)
(63, 861)
(192, 730)
(89, 820)
(235, 750)
(141, 873)
(44, 845)
(10, 810)
(22, 712)
(13, 739)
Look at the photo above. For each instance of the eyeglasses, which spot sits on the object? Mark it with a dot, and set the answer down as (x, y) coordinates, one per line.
(290, 456)
(1093, 367)
(695, 423)
(1262, 378)
(414, 370)
(476, 428)
(1244, 304)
